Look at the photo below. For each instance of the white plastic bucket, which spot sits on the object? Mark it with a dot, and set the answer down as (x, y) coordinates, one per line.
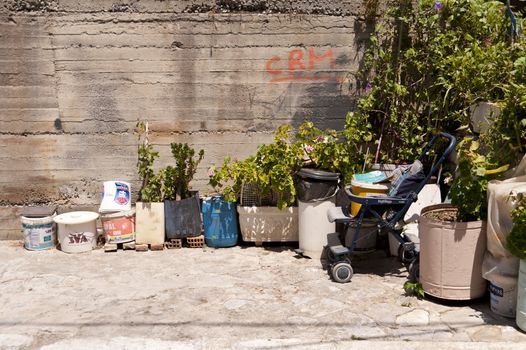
(521, 297)
(77, 231)
(39, 233)
(119, 227)
(116, 196)
(503, 295)
(314, 226)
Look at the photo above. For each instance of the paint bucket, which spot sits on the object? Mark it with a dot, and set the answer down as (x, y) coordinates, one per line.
(119, 227)
(521, 297)
(503, 295)
(39, 233)
(364, 190)
(116, 196)
(77, 231)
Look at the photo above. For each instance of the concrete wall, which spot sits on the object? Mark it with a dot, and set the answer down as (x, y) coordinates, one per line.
(221, 75)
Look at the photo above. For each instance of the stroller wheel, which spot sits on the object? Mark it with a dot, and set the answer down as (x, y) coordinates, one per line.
(406, 253)
(341, 272)
(414, 271)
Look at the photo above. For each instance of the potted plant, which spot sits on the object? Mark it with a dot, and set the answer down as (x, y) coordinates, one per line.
(149, 206)
(181, 206)
(453, 236)
(264, 185)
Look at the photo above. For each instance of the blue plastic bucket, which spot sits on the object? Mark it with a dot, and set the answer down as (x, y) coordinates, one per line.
(220, 222)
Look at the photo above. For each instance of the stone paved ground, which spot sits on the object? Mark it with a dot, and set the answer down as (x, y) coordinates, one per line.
(241, 298)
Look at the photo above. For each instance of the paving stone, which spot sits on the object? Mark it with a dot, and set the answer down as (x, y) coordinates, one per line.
(462, 318)
(487, 333)
(14, 341)
(416, 317)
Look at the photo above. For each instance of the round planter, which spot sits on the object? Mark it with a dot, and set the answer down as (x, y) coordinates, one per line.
(451, 255)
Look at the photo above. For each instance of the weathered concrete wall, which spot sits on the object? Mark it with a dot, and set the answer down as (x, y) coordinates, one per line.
(221, 75)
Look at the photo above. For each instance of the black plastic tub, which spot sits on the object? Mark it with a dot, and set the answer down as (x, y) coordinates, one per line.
(316, 185)
(182, 218)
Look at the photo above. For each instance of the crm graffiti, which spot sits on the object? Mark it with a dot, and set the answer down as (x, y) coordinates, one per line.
(302, 65)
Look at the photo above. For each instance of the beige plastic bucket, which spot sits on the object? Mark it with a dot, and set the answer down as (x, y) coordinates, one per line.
(451, 256)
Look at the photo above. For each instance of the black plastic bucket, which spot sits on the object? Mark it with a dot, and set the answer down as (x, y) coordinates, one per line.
(182, 218)
(316, 185)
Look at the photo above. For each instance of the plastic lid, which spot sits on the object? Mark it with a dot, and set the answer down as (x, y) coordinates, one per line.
(76, 217)
(318, 174)
(39, 212)
(369, 186)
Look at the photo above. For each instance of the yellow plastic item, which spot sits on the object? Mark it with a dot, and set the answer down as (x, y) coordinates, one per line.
(365, 189)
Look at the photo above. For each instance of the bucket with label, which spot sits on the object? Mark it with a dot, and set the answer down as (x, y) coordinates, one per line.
(503, 295)
(39, 233)
(77, 231)
(38, 227)
(119, 227)
(116, 196)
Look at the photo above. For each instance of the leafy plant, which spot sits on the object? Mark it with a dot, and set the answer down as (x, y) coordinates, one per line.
(516, 241)
(151, 183)
(272, 169)
(470, 185)
(414, 288)
(177, 178)
(336, 151)
(427, 63)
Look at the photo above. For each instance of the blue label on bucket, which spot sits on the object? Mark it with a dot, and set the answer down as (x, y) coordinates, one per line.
(122, 195)
(495, 290)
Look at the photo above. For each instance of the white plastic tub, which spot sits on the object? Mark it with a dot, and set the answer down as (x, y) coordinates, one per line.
(77, 231)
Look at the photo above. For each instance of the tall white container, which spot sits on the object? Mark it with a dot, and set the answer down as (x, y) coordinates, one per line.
(521, 297)
(314, 226)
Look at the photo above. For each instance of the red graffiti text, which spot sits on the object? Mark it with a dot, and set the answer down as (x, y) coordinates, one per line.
(299, 65)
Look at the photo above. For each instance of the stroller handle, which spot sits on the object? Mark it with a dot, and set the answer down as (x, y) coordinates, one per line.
(451, 146)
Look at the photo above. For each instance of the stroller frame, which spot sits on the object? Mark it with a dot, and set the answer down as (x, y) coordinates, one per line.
(339, 256)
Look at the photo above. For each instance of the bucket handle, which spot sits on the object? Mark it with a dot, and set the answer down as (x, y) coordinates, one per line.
(325, 198)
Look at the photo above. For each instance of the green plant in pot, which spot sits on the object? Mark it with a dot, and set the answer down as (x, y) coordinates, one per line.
(336, 151)
(149, 206)
(181, 206)
(264, 186)
(453, 236)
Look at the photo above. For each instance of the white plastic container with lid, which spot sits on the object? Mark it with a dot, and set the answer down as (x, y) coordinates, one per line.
(77, 231)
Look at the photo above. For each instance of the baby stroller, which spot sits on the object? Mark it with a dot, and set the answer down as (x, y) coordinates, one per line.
(385, 210)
